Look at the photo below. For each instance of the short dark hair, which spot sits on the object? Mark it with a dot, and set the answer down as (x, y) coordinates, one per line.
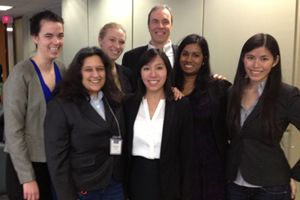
(71, 87)
(164, 6)
(145, 59)
(35, 20)
(204, 74)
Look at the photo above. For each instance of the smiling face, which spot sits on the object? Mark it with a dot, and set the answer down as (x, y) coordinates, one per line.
(154, 75)
(191, 59)
(160, 26)
(49, 40)
(93, 74)
(113, 43)
(258, 63)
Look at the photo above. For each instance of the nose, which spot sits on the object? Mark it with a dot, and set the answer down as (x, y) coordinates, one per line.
(152, 72)
(95, 73)
(56, 40)
(256, 63)
(189, 58)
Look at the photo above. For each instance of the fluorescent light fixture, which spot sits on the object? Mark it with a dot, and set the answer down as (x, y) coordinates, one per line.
(9, 29)
(4, 8)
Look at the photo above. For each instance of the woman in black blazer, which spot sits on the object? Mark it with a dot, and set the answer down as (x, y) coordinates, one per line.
(159, 134)
(84, 131)
(260, 108)
(207, 97)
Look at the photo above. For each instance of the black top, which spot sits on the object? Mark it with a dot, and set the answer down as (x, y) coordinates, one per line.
(77, 141)
(260, 158)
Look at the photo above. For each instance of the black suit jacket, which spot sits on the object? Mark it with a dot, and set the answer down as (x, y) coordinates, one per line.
(125, 76)
(252, 150)
(131, 60)
(77, 147)
(175, 156)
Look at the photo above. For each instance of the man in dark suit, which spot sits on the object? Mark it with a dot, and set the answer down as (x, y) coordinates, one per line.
(160, 22)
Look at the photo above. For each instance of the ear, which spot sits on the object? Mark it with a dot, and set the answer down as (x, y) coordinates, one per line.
(35, 39)
(276, 61)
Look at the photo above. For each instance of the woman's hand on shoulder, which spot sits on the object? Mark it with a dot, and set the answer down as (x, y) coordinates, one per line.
(219, 77)
(177, 93)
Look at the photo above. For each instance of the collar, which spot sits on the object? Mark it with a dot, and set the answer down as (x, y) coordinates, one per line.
(167, 47)
(261, 87)
(99, 97)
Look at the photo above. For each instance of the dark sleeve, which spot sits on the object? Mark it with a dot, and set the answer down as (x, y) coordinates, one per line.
(57, 143)
(294, 118)
(186, 130)
(126, 60)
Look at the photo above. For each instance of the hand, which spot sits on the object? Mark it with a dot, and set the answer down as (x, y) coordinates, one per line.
(219, 77)
(31, 190)
(293, 188)
(177, 93)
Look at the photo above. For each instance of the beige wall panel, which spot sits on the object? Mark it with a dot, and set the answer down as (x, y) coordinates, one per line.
(102, 12)
(76, 27)
(229, 23)
(188, 16)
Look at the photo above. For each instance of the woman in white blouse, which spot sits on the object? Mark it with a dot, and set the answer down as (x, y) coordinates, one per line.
(158, 134)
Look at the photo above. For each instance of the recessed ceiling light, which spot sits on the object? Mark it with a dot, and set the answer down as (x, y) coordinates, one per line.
(4, 8)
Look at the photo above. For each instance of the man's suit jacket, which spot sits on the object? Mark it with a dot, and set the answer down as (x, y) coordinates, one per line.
(125, 76)
(24, 111)
(77, 143)
(175, 156)
(253, 150)
(131, 60)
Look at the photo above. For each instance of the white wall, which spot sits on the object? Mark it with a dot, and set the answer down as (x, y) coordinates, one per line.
(75, 14)
(187, 18)
(102, 12)
(229, 23)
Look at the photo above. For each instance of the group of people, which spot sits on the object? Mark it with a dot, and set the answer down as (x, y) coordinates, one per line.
(100, 130)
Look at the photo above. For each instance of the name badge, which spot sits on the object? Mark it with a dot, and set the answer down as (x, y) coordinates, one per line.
(115, 146)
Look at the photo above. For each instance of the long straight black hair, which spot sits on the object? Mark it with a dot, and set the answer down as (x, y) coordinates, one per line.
(271, 91)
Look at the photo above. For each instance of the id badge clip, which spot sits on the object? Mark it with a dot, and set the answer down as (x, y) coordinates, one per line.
(115, 146)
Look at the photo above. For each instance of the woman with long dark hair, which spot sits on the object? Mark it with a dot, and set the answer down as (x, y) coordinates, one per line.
(207, 97)
(84, 131)
(158, 134)
(260, 108)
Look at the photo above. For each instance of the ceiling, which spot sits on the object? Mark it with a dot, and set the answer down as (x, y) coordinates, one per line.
(22, 7)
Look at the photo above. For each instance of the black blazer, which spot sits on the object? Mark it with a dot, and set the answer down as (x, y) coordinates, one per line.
(125, 76)
(252, 150)
(131, 58)
(77, 147)
(175, 156)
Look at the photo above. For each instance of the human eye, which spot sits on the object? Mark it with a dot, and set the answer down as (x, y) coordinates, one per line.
(249, 57)
(197, 54)
(48, 36)
(87, 69)
(154, 21)
(265, 58)
(185, 54)
(160, 67)
(166, 22)
(121, 42)
(100, 68)
(61, 36)
(145, 68)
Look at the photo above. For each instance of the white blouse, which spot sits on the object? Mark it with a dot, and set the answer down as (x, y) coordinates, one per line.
(147, 133)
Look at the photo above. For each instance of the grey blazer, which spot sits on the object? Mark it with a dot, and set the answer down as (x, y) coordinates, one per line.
(24, 111)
